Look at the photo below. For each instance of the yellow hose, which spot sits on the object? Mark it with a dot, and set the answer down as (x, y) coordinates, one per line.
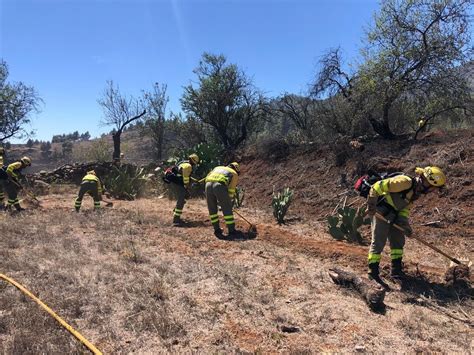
(51, 312)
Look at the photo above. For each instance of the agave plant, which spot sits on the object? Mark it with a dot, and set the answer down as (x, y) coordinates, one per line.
(281, 202)
(126, 182)
(346, 223)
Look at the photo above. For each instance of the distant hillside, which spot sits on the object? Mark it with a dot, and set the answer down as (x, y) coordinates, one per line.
(137, 149)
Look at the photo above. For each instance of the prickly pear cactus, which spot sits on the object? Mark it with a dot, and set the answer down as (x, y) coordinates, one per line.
(351, 220)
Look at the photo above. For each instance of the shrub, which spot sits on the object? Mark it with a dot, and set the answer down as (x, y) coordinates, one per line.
(126, 182)
(280, 203)
(350, 221)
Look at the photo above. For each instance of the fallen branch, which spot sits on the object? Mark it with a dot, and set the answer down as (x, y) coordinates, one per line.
(371, 293)
(431, 223)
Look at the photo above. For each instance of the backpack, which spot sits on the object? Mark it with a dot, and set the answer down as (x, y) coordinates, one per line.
(171, 175)
(364, 183)
(3, 173)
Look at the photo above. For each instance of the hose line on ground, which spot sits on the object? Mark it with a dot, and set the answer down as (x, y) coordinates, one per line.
(74, 332)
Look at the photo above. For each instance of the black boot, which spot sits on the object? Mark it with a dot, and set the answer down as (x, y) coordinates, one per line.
(217, 230)
(373, 272)
(397, 268)
(177, 221)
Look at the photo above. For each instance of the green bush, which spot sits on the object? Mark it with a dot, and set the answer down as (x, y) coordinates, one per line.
(126, 182)
(210, 155)
(280, 203)
(350, 220)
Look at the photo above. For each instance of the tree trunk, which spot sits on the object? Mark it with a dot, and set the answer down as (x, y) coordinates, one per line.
(371, 293)
(116, 138)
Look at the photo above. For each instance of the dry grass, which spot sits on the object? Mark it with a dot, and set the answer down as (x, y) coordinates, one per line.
(129, 282)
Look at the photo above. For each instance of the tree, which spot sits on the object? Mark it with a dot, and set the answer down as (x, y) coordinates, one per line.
(299, 110)
(119, 111)
(45, 148)
(30, 143)
(17, 101)
(156, 102)
(225, 99)
(411, 56)
(67, 148)
(413, 49)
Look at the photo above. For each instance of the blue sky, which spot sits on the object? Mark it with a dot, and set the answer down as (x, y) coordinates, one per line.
(68, 49)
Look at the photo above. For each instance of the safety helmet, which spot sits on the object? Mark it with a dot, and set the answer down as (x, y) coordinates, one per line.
(92, 172)
(26, 161)
(433, 175)
(194, 158)
(235, 166)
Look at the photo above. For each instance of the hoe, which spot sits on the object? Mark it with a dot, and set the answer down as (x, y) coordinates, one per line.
(252, 232)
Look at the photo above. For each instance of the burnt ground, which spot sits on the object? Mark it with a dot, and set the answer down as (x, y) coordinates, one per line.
(130, 282)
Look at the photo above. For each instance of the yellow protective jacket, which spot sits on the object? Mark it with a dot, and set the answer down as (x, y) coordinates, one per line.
(226, 176)
(184, 170)
(398, 192)
(91, 177)
(14, 169)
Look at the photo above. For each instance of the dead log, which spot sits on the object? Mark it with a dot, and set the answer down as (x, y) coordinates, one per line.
(372, 294)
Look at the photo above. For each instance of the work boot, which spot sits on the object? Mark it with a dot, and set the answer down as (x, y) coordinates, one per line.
(397, 269)
(235, 233)
(218, 231)
(177, 221)
(374, 273)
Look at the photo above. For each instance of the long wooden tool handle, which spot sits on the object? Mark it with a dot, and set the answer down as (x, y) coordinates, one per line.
(238, 214)
(379, 216)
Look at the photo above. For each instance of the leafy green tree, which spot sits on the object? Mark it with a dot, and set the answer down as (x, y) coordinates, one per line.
(411, 57)
(17, 102)
(411, 54)
(223, 98)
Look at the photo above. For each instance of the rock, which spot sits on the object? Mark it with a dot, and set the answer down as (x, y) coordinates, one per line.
(359, 348)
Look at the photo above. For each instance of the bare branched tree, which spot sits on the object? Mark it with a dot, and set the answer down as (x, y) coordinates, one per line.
(119, 111)
(299, 110)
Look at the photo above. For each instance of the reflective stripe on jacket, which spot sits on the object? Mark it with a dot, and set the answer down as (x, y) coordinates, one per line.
(226, 176)
(91, 177)
(185, 169)
(394, 190)
(14, 169)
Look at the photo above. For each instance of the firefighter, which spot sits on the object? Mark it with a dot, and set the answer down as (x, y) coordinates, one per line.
(181, 186)
(221, 183)
(11, 181)
(393, 198)
(91, 185)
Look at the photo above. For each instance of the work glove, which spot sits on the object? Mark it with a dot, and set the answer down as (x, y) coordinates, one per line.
(407, 230)
(371, 206)
(406, 226)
